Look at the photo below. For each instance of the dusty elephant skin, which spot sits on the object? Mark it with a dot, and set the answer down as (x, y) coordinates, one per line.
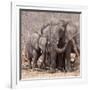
(71, 34)
(49, 46)
(53, 33)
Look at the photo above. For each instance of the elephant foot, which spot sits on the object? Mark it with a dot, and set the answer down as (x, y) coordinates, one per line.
(74, 69)
(25, 67)
(30, 67)
(52, 71)
(61, 69)
(39, 69)
(34, 69)
(68, 70)
(34, 66)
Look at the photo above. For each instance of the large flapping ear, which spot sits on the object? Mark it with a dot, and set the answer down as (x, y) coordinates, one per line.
(71, 30)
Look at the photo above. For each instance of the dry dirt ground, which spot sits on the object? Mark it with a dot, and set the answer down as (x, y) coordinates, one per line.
(28, 74)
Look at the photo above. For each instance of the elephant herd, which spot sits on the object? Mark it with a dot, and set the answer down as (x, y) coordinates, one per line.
(52, 48)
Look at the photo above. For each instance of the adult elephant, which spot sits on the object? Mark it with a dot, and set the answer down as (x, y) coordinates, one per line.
(53, 32)
(35, 50)
(72, 35)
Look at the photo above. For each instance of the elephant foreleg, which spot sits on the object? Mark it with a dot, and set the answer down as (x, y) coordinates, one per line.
(67, 58)
(52, 62)
(75, 47)
(34, 59)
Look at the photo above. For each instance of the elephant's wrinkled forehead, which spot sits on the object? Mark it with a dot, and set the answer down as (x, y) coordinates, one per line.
(57, 28)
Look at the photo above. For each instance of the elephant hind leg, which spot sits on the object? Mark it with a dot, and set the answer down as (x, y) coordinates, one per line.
(67, 58)
(40, 61)
(34, 59)
(30, 65)
(68, 67)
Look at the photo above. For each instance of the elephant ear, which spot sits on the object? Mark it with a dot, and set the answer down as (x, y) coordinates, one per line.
(42, 43)
(34, 40)
(71, 31)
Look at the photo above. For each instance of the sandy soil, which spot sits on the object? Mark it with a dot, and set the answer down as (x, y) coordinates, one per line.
(29, 74)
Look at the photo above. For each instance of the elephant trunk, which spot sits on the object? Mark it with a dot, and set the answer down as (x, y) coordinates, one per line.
(61, 50)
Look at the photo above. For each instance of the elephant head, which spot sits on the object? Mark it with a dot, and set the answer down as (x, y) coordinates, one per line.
(54, 32)
(72, 36)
